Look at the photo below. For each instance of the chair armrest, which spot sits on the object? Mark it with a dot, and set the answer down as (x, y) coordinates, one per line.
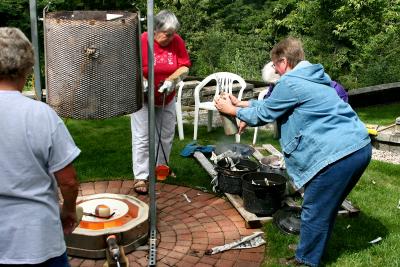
(179, 94)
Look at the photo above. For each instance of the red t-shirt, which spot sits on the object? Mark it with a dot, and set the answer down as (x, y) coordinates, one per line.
(167, 60)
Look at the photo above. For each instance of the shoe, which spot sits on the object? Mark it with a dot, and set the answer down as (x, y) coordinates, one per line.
(291, 261)
(141, 187)
(292, 247)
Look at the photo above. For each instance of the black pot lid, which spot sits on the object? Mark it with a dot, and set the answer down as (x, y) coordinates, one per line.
(242, 149)
(288, 220)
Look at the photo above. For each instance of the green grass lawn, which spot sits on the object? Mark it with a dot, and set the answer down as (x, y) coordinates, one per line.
(106, 155)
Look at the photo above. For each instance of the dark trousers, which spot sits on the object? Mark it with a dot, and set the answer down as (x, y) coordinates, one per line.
(60, 261)
(323, 196)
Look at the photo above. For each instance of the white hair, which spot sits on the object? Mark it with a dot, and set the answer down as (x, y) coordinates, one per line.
(16, 54)
(268, 73)
(166, 20)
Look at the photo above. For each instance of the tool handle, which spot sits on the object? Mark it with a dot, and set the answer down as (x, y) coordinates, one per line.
(113, 246)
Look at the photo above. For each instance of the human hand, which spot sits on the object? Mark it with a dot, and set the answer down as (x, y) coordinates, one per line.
(145, 86)
(68, 220)
(167, 87)
(242, 126)
(224, 105)
(234, 100)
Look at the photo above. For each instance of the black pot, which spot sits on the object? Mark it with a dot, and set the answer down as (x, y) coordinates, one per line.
(263, 192)
(231, 181)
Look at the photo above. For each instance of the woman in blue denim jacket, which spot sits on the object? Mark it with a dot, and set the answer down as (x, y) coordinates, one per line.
(325, 145)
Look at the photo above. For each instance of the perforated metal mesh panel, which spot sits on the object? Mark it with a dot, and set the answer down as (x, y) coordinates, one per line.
(92, 64)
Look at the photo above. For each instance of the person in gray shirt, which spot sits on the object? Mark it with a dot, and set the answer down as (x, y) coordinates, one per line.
(36, 155)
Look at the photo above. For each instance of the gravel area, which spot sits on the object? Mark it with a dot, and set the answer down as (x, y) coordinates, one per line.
(386, 156)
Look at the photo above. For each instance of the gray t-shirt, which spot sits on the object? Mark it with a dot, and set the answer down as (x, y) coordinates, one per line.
(34, 143)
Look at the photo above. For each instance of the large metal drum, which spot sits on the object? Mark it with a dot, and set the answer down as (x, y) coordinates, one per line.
(93, 68)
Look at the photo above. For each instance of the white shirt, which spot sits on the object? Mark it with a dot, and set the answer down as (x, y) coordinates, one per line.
(34, 143)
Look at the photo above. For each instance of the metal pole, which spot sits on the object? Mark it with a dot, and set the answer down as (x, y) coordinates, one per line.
(152, 179)
(34, 36)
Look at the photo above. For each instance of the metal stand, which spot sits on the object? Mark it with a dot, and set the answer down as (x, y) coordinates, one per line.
(34, 33)
(152, 178)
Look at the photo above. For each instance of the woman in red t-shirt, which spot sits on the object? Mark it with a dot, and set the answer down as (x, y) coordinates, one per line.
(171, 64)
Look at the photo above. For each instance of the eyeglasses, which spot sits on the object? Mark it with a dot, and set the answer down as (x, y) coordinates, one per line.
(279, 60)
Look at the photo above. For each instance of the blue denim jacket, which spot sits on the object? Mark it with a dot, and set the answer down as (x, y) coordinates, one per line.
(317, 127)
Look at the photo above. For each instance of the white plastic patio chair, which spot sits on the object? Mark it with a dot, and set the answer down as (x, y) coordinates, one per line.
(178, 108)
(274, 125)
(224, 83)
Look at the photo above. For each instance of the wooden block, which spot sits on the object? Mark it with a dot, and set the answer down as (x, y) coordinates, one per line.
(347, 207)
(205, 163)
(257, 154)
(251, 219)
(271, 149)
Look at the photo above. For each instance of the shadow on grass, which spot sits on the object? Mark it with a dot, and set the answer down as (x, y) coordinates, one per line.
(352, 235)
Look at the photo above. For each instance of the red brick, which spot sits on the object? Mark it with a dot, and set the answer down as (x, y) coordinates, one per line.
(181, 249)
(114, 184)
(166, 232)
(256, 257)
(182, 264)
(168, 239)
(200, 240)
(191, 259)
(140, 254)
(169, 261)
(176, 255)
(182, 231)
(208, 260)
(217, 242)
(199, 234)
(185, 237)
(88, 192)
(169, 187)
(215, 235)
(198, 228)
(185, 243)
(212, 227)
(161, 264)
(179, 226)
(200, 264)
(200, 247)
(213, 212)
(241, 263)
(88, 263)
(232, 234)
(166, 245)
(75, 262)
(206, 220)
(224, 263)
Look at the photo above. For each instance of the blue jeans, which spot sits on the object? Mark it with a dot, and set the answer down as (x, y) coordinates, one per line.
(60, 261)
(323, 196)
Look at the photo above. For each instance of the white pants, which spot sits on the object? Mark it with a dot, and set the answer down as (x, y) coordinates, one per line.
(140, 137)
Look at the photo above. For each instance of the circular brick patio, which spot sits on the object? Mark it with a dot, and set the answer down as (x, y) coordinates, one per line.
(185, 229)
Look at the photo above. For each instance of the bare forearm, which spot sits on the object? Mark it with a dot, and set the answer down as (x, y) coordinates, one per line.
(179, 74)
(69, 186)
